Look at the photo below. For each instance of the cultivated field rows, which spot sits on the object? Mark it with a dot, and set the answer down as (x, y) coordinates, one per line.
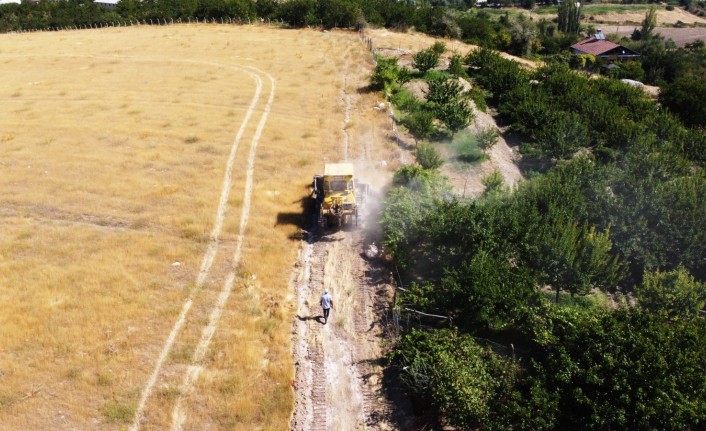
(114, 149)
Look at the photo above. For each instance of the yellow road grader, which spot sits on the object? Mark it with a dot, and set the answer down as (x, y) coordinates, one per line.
(339, 197)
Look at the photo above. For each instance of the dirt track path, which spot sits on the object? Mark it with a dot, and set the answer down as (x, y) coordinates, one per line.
(338, 376)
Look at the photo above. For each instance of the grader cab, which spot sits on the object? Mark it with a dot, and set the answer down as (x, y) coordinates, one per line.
(338, 195)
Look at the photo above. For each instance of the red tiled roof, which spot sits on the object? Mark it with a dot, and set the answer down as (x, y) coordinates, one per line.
(595, 46)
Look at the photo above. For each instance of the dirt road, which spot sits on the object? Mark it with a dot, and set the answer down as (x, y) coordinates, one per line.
(332, 359)
(338, 383)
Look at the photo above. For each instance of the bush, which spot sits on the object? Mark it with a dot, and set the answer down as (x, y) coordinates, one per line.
(444, 90)
(388, 75)
(439, 47)
(563, 136)
(456, 115)
(456, 66)
(487, 138)
(406, 101)
(425, 60)
(428, 157)
(493, 182)
(478, 96)
(420, 123)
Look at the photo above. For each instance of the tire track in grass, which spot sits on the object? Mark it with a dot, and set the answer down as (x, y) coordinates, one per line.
(208, 257)
(179, 415)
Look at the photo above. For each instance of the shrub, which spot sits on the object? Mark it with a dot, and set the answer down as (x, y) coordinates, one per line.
(493, 182)
(420, 123)
(487, 138)
(456, 66)
(425, 60)
(439, 47)
(406, 101)
(428, 157)
(478, 96)
(444, 90)
(388, 74)
(455, 115)
(563, 136)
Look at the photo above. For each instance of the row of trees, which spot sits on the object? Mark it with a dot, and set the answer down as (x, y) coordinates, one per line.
(298, 13)
(446, 100)
(622, 209)
(514, 361)
(519, 35)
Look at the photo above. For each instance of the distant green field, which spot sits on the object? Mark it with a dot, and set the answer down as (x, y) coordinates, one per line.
(497, 13)
(596, 9)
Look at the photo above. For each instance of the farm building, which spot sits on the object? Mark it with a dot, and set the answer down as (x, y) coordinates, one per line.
(598, 46)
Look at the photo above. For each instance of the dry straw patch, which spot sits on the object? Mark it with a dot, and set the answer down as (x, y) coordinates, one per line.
(112, 154)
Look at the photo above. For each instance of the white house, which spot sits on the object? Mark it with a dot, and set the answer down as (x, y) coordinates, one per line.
(110, 4)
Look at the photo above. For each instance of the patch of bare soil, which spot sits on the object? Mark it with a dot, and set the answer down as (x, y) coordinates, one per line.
(339, 371)
(680, 36)
(404, 44)
(501, 157)
(664, 17)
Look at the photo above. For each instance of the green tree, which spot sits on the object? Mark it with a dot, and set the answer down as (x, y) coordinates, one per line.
(671, 295)
(413, 194)
(574, 257)
(443, 90)
(338, 13)
(562, 136)
(425, 60)
(569, 17)
(129, 9)
(455, 114)
(493, 182)
(625, 369)
(456, 66)
(439, 47)
(524, 35)
(686, 97)
(463, 380)
(298, 13)
(428, 156)
(388, 75)
(648, 24)
(420, 123)
(487, 138)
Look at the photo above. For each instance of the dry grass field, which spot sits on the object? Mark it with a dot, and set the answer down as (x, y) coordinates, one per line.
(114, 144)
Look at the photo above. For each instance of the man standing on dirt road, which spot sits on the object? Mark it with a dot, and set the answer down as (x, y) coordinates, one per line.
(326, 304)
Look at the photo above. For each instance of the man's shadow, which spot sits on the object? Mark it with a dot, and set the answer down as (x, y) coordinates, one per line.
(319, 319)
